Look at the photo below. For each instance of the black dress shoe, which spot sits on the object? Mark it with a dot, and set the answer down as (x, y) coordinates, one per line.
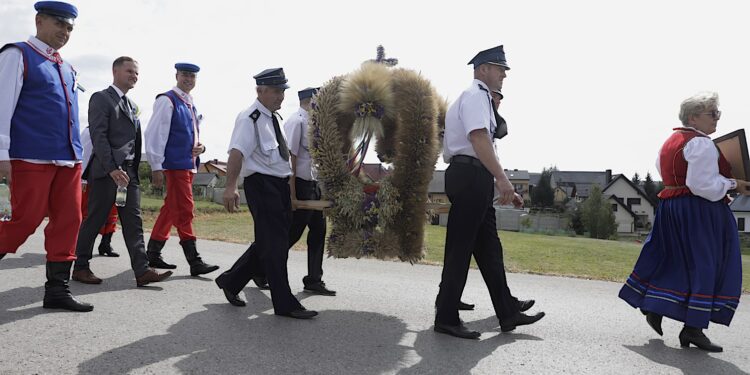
(108, 252)
(695, 336)
(300, 314)
(67, 303)
(465, 306)
(520, 319)
(459, 331)
(261, 282)
(525, 305)
(234, 299)
(654, 320)
(2, 255)
(319, 288)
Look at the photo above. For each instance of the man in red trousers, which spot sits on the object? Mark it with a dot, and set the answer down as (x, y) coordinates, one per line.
(172, 149)
(40, 147)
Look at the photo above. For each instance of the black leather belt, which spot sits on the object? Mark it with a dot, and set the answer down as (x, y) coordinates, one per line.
(464, 159)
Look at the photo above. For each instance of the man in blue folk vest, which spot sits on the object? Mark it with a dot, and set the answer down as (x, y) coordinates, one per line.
(40, 147)
(172, 149)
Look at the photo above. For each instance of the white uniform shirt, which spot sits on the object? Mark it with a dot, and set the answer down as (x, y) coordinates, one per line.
(156, 134)
(296, 129)
(11, 82)
(471, 111)
(703, 177)
(256, 140)
(88, 147)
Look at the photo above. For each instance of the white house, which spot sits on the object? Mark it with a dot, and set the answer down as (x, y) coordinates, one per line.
(633, 209)
(624, 216)
(740, 207)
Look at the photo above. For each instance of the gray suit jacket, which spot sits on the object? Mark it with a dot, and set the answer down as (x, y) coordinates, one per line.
(115, 133)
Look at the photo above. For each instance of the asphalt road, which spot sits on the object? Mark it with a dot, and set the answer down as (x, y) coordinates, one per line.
(380, 322)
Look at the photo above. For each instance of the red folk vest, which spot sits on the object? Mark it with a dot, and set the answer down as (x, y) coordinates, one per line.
(674, 166)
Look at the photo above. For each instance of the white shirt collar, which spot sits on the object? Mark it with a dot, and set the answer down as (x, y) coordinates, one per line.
(42, 47)
(480, 83)
(119, 92)
(185, 96)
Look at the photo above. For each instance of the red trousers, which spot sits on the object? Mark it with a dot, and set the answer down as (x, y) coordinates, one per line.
(110, 226)
(178, 207)
(39, 190)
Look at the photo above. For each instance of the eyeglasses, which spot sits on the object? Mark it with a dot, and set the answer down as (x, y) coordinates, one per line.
(714, 114)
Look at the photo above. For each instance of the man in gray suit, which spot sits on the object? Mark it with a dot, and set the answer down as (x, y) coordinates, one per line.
(116, 137)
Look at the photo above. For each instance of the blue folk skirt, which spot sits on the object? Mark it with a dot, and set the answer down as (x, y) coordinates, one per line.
(690, 267)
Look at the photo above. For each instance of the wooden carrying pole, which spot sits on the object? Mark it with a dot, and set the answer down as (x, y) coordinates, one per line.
(320, 205)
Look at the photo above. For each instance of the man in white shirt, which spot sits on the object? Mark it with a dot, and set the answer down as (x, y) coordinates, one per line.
(258, 153)
(470, 182)
(304, 186)
(173, 148)
(40, 147)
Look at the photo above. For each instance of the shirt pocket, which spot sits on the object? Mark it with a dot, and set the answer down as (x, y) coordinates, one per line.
(304, 142)
(267, 144)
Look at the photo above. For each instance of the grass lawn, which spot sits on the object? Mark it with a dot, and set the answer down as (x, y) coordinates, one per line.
(523, 252)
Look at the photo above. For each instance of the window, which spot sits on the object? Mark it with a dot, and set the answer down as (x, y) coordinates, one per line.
(741, 224)
(632, 201)
(614, 207)
(641, 221)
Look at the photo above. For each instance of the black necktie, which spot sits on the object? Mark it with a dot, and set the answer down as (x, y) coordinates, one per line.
(127, 107)
(501, 128)
(283, 150)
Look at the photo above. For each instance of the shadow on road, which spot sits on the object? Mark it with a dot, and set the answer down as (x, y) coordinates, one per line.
(232, 340)
(11, 300)
(24, 260)
(449, 355)
(691, 361)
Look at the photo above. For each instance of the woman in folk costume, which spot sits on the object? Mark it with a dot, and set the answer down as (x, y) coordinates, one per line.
(690, 266)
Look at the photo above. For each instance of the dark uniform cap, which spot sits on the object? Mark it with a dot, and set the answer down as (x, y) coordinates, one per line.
(307, 93)
(187, 67)
(272, 77)
(494, 56)
(63, 11)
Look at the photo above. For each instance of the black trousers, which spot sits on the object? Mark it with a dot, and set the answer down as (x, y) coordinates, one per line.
(472, 231)
(316, 235)
(102, 193)
(270, 204)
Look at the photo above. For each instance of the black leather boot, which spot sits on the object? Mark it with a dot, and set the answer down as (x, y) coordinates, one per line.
(105, 246)
(197, 266)
(695, 336)
(153, 251)
(56, 292)
(654, 320)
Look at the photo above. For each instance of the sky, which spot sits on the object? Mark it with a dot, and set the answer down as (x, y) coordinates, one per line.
(593, 85)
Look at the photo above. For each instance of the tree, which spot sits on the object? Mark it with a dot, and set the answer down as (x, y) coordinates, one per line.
(598, 218)
(636, 179)
(542, 195)
(649, 187)
(576, 219)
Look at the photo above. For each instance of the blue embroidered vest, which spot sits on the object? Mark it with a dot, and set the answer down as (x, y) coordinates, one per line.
(45, 121)
(178, 153)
